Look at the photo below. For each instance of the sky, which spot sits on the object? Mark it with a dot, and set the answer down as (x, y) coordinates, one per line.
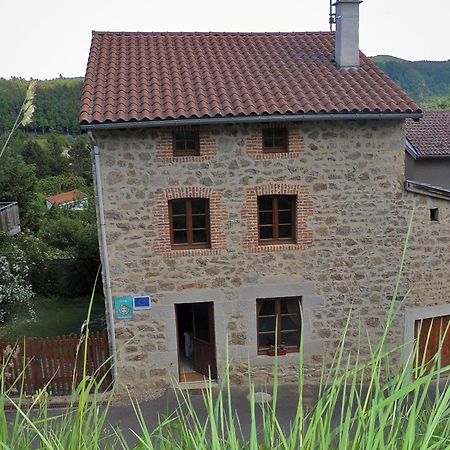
(47, 38)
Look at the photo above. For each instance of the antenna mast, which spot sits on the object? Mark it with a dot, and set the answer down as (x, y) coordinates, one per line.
(332, 18)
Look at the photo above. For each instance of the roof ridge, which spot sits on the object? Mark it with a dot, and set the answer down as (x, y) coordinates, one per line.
(210, 33)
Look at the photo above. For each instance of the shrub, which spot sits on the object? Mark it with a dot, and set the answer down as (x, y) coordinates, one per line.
(14, 287)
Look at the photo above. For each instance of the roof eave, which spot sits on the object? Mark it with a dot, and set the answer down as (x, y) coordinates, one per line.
(252, 119)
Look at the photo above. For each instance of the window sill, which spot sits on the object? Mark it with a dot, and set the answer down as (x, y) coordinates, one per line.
(178, 252)
(276, 247)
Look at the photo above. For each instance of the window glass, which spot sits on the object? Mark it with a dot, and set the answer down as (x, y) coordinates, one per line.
(185, 142)
(189, 229)
(274, 139)
(278, 320)
(276, 215)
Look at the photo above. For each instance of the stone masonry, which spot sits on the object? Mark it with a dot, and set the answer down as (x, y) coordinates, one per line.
(353, 214)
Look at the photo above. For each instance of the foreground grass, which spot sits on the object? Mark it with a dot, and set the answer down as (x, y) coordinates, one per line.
(370, 404)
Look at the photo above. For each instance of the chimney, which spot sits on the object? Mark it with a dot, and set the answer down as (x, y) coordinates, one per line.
(347, 34)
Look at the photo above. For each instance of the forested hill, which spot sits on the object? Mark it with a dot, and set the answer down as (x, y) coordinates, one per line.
(57, 101)
(57, 104)
(427, 82)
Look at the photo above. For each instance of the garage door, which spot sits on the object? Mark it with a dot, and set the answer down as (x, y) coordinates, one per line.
(429, 333)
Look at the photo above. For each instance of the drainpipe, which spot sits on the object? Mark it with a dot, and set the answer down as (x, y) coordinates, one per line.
(95, 155)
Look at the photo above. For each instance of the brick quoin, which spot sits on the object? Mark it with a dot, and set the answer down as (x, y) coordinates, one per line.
(304, 210)
(164, 147)
(296, 144)
(217, 214)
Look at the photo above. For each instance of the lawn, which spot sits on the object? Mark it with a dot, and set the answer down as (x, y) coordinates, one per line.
(54, 317)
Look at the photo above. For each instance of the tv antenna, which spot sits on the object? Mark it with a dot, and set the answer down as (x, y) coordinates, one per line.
(332, 18)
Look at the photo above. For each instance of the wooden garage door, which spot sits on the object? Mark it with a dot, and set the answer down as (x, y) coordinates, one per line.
(429, 333)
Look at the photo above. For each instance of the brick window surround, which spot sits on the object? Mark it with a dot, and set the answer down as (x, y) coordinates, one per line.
(164, 146)
(217, 215)
(304, 210)
(295, 143)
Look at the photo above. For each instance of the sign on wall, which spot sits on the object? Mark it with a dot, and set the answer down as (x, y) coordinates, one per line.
(142, 302)
(123, 307)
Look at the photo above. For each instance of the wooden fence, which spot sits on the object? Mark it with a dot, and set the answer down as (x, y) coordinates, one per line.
(54, 363)
(9, 218)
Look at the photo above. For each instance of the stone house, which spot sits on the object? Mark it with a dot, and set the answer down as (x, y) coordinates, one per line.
(250, 192)
(427, 156)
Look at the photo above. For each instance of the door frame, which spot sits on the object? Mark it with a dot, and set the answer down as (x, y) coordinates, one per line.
(212, 333)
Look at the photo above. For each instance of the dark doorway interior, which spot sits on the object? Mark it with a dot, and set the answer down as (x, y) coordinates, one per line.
(196, 341)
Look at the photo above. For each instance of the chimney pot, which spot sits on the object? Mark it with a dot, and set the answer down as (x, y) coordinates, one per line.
(347, 34)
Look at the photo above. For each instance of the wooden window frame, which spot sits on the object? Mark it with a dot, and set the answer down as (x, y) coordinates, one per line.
(282, 149)
(289, 349)
(187, 152)
(189, 229)
(276, 239)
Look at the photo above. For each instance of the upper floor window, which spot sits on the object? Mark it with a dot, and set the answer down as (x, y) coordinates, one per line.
(186, 143)
(276, 218)
(189, 223)
(275, 139)
(278, 323)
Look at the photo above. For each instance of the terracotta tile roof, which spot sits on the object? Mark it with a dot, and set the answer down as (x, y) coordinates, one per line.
(431, 135)
(158, 76)
(66, 197)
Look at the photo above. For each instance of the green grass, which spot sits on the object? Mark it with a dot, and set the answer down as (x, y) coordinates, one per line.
(53, 317)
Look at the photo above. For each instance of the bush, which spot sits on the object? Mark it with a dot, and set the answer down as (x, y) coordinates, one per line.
(14, 287)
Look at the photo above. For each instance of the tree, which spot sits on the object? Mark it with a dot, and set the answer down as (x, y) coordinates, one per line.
(14, 287)
(18, 183)
(61, 183)
(73, 232)
(80, 159)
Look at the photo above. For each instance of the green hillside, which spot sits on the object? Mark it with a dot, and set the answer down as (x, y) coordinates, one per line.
(57, 104)
(427, 82)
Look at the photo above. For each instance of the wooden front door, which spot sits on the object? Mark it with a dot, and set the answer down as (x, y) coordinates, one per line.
(204, 339)
(429, 333)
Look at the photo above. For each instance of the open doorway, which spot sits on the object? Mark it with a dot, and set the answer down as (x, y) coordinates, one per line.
(196, 341)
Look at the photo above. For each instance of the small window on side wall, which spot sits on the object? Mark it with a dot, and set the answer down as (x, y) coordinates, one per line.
(186, 143)
(275, 140)
(276, 219)
(189, 223)
(279, 323)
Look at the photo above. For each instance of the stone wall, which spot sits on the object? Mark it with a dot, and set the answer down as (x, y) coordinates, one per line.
(354, 217)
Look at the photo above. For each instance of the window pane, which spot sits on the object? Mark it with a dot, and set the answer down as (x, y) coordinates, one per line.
(178, 206)
(266, 232)
(265, 203)
(285, 231)
(289, 322)
(278, 142)
(267, 323)
(266, 307)
(185, 140)
(199, 236)
(199, 206)
(285, 217)
(289, 338)
(179, 222)
(180, 237)
(266, 340)
(289, 305)
(266, 218)
(285, 202)
(274, 137)
(199, 221)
